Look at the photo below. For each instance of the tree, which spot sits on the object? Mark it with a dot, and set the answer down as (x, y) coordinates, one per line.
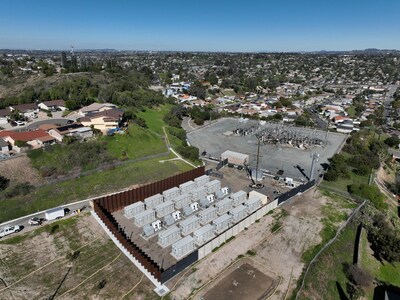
(4, 182)
(392, 141)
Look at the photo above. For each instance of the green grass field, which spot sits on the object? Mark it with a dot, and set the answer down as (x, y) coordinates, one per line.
(385, 272)
(342, 183)
(136, 142)
(98, 183)
(154, 118)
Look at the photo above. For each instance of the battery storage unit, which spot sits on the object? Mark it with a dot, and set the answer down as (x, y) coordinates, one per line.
(182, 200)
(222, 223)
(202, 180)
(187, 187)
(131, 210)
(208, 215)
(238, 198)
(253, 204)
(198, 193)
(213, 186)
(153, 201)
(169, 236)
(164, 209)
(171, 193)
(145, 217)
(238, 213)
(224, 205)
(204, 234)
(183, 247)
(189, 225)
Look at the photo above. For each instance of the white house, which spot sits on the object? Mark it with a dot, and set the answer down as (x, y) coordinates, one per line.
(53, 105)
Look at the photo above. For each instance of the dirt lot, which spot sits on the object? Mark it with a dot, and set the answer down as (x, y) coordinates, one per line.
(41, 264)
(280, 252)
(19, 169)
(243, 282)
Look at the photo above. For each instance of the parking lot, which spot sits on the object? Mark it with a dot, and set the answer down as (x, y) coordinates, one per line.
(213, 141)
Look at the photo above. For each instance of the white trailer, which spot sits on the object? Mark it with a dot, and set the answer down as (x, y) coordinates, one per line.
(222, 223)
(187, 187)
(54, 213)
(133, 209)
(208, 215)
(171, 193)
(204, 234)
(202, 180)
(164, 209)
(169, 236)
(238, 213)
(238, 198)
(183, 247)
(189, 225)
(198, 193)
(253, 204)
(145, 217)
(224, 205)
(182, 200)
(153, 201)
(235, 158)
(213, 186)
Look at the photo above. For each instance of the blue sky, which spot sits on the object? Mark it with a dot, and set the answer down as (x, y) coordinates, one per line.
(218, 25)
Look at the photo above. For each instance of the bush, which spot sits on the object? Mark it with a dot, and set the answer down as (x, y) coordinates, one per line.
(4, 182)
(19, 189)
(198, 121)
(189, 152)
(392, 141)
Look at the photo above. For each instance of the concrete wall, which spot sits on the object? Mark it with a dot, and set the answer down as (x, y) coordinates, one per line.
(236, 229)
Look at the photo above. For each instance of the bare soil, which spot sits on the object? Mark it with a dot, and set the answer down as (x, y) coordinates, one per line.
(19, 170)
(280, 252)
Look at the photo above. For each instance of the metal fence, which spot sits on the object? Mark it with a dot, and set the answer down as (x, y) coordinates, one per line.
(221, 164)
(300, 189)
(105, 206)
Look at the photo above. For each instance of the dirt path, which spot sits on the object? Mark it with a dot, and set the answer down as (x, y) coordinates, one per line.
(280, 252)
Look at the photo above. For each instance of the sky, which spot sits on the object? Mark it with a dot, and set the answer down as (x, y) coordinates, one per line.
(200, 25)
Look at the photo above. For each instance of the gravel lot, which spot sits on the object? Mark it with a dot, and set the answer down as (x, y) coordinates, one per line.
(211, 139)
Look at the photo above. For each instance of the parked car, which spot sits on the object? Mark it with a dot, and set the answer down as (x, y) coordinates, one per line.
(19, 123)
(9, 230)
(35, 221)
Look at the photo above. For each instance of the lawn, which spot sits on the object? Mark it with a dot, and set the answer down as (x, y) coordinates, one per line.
(136, 142)
(107, 181)
(154, 117)
(342, 183)
(351, 111)
(384, 272)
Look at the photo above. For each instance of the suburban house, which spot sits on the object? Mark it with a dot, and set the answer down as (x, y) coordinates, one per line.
(28, 110)
(35, 138)
(4, 148)
(104, 120)
(53, 105)
(76, 130)
(4, 115)
(96, 108)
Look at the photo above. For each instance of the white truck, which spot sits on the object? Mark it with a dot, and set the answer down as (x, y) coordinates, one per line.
(54, 213)
(8, 230)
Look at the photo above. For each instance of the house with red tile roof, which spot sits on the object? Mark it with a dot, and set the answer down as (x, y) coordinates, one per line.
(35, 138)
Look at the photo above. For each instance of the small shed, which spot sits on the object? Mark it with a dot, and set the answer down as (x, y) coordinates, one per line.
(164, 209)
(238, 198)
(264, 198)
(208, 215)
(145, 217)
(153, 201)
(182, 200)
(169, 236)
(202, 180)
(213, 186)
(224, 205)
(148, 230)
(171, 193)
(253, 204)
(238, 213)
(222, 223)
(235, 158)
(187, 187)
(183, 247)
(133, 209)
(198, 193)
(204, 234)
(189, 225)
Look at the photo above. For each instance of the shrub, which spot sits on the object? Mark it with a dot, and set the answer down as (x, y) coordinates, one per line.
(19, 189)
(4, 182)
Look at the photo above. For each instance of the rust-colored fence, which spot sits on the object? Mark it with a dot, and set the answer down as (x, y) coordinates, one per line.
(105, 206)
(118, 201)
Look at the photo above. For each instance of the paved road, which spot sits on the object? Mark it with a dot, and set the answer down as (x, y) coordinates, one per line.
(388, 99)
(23, 221)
